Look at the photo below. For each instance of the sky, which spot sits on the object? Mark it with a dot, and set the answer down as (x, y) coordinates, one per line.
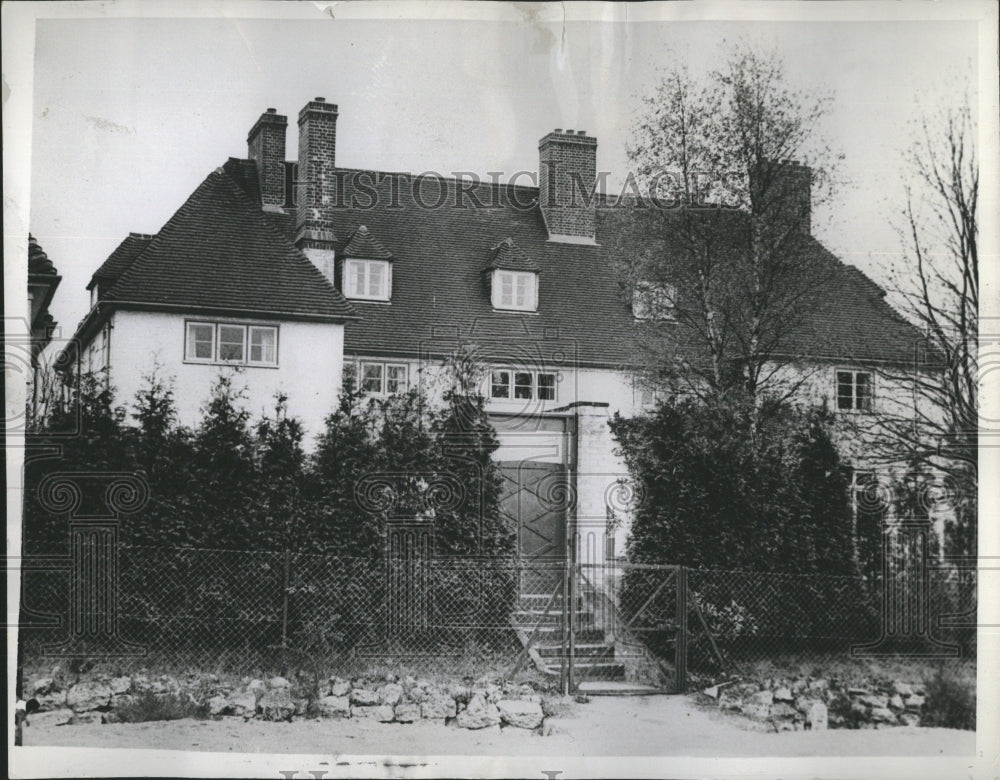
(129, 115)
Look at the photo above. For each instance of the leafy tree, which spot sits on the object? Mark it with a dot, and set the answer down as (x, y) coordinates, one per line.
(731, 269)
(164, 453)
(716, 498)
(346, 451)
(82, 432)
(280, 506)
(224, 477)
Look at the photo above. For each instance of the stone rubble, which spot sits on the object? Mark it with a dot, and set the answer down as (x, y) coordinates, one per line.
(818, 704)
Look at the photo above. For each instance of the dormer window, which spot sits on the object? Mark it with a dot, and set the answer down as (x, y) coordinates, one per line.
(366, 271)
(654, 301)
(512, 277)
(515, 290)
(367, 279)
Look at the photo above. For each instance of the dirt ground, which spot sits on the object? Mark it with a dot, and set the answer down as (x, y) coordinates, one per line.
(637, 726)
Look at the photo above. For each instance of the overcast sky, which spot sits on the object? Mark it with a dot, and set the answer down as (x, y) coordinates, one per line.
(130, 115)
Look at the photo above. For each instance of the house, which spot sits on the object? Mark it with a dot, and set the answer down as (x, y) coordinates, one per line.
(43, 279)
(290, 269)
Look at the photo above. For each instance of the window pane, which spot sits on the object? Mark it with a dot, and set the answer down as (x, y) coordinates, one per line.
(521, 300)
(522, 384)
(506, 289)
(845, 390)
(395, 379)
(547, 387)
(371, 377)
(231, 341)
(356, 278)
(863, 392)
(500, 384)
(200, 341)
(262, 343)
(376, 279)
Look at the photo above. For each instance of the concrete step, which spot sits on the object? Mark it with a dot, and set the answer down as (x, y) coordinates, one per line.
(616, 688)
(582, 650)
(592, 669)
(531, 617)
(543, 600)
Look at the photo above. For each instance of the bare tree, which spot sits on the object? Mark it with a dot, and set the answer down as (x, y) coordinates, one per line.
(732, 166)
(937, 281)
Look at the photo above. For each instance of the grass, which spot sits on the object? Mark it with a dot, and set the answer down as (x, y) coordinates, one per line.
(854, 671)
(950, 699)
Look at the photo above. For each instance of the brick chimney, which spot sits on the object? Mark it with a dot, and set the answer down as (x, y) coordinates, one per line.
(266, 147)
(786, 191)
(317, 186)
(567, 172)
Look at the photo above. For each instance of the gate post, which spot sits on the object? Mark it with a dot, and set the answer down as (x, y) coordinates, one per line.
(680, 650)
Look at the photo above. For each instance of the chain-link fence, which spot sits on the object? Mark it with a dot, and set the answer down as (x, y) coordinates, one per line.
(626, 623)
(714, 620)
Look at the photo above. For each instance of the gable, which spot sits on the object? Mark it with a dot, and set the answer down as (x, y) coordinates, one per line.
(219, 252)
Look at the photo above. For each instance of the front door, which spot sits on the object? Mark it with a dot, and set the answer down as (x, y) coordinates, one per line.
(536, 498)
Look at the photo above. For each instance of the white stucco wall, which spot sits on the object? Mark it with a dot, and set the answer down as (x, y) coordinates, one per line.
(309, 370)
(525, 437)
(603, 513)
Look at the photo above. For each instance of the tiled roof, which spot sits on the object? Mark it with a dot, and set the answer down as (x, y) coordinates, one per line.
(363, 245)
(438, 285)
(120, 259)
(509, 256)
(220, 251)
(39, 264)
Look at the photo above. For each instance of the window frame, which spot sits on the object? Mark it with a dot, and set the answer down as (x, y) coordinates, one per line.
(243, 343)
(512, 385)
(531, 290)
(384, 367)
(366, 265)
(188, 356)
(248, 328)
(854, 408)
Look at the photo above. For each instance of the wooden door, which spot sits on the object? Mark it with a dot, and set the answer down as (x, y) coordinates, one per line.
(536, 499)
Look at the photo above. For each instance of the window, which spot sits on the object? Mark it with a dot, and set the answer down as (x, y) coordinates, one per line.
(500, 384)
(383, 378)
(395, 379)
(371, 377)
(227, 342)
(854, 391)
(367, 279)
(522, 385)
(232, 341)
(515, 290)
(546, 387)
(654, 301)
(200, 341)
(263, 345)
(646, 397)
